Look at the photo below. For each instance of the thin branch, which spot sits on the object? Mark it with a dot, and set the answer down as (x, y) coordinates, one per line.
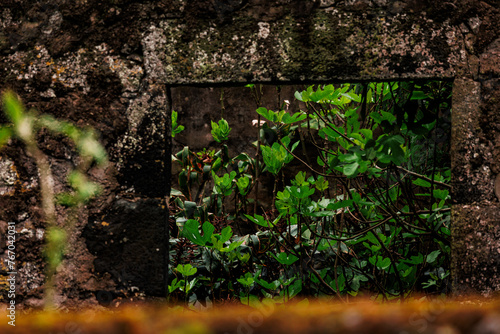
(423, 177)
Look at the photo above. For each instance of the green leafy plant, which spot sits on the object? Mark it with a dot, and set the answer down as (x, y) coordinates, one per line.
(220, 130)
(247, 281)
(176, 128)
(184, 285)
(278, 155)
(224, 185)
(367, 214)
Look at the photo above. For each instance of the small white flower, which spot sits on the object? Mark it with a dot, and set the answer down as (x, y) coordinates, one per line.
(255, 121)
(287, 104)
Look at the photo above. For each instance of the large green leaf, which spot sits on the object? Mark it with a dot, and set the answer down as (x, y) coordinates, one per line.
(191, 232)
(392, 146)
(186, 269)
(285, 258)
(301, 192)
(208, 230)
(259, 220)
(267, 114)
(297, 117)
(351, 169)
(226, 234)
(432, 257)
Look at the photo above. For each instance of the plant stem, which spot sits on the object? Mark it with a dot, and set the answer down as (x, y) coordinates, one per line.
(49, 212)
(185, 290)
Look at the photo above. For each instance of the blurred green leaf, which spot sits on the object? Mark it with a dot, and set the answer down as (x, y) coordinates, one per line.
(5, 134)
(432, 257)
(13, 107)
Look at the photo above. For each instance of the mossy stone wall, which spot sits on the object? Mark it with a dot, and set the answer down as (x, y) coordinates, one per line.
(110, 64)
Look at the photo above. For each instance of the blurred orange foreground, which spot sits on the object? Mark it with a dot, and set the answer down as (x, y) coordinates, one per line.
(305, 317)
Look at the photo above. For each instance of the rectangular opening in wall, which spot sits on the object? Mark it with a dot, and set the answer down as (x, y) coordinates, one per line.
(310, 190)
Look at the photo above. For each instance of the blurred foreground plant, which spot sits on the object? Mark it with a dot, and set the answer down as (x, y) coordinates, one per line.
(24, 126)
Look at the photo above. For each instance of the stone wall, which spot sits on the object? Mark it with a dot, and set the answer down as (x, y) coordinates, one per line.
(111, 65)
